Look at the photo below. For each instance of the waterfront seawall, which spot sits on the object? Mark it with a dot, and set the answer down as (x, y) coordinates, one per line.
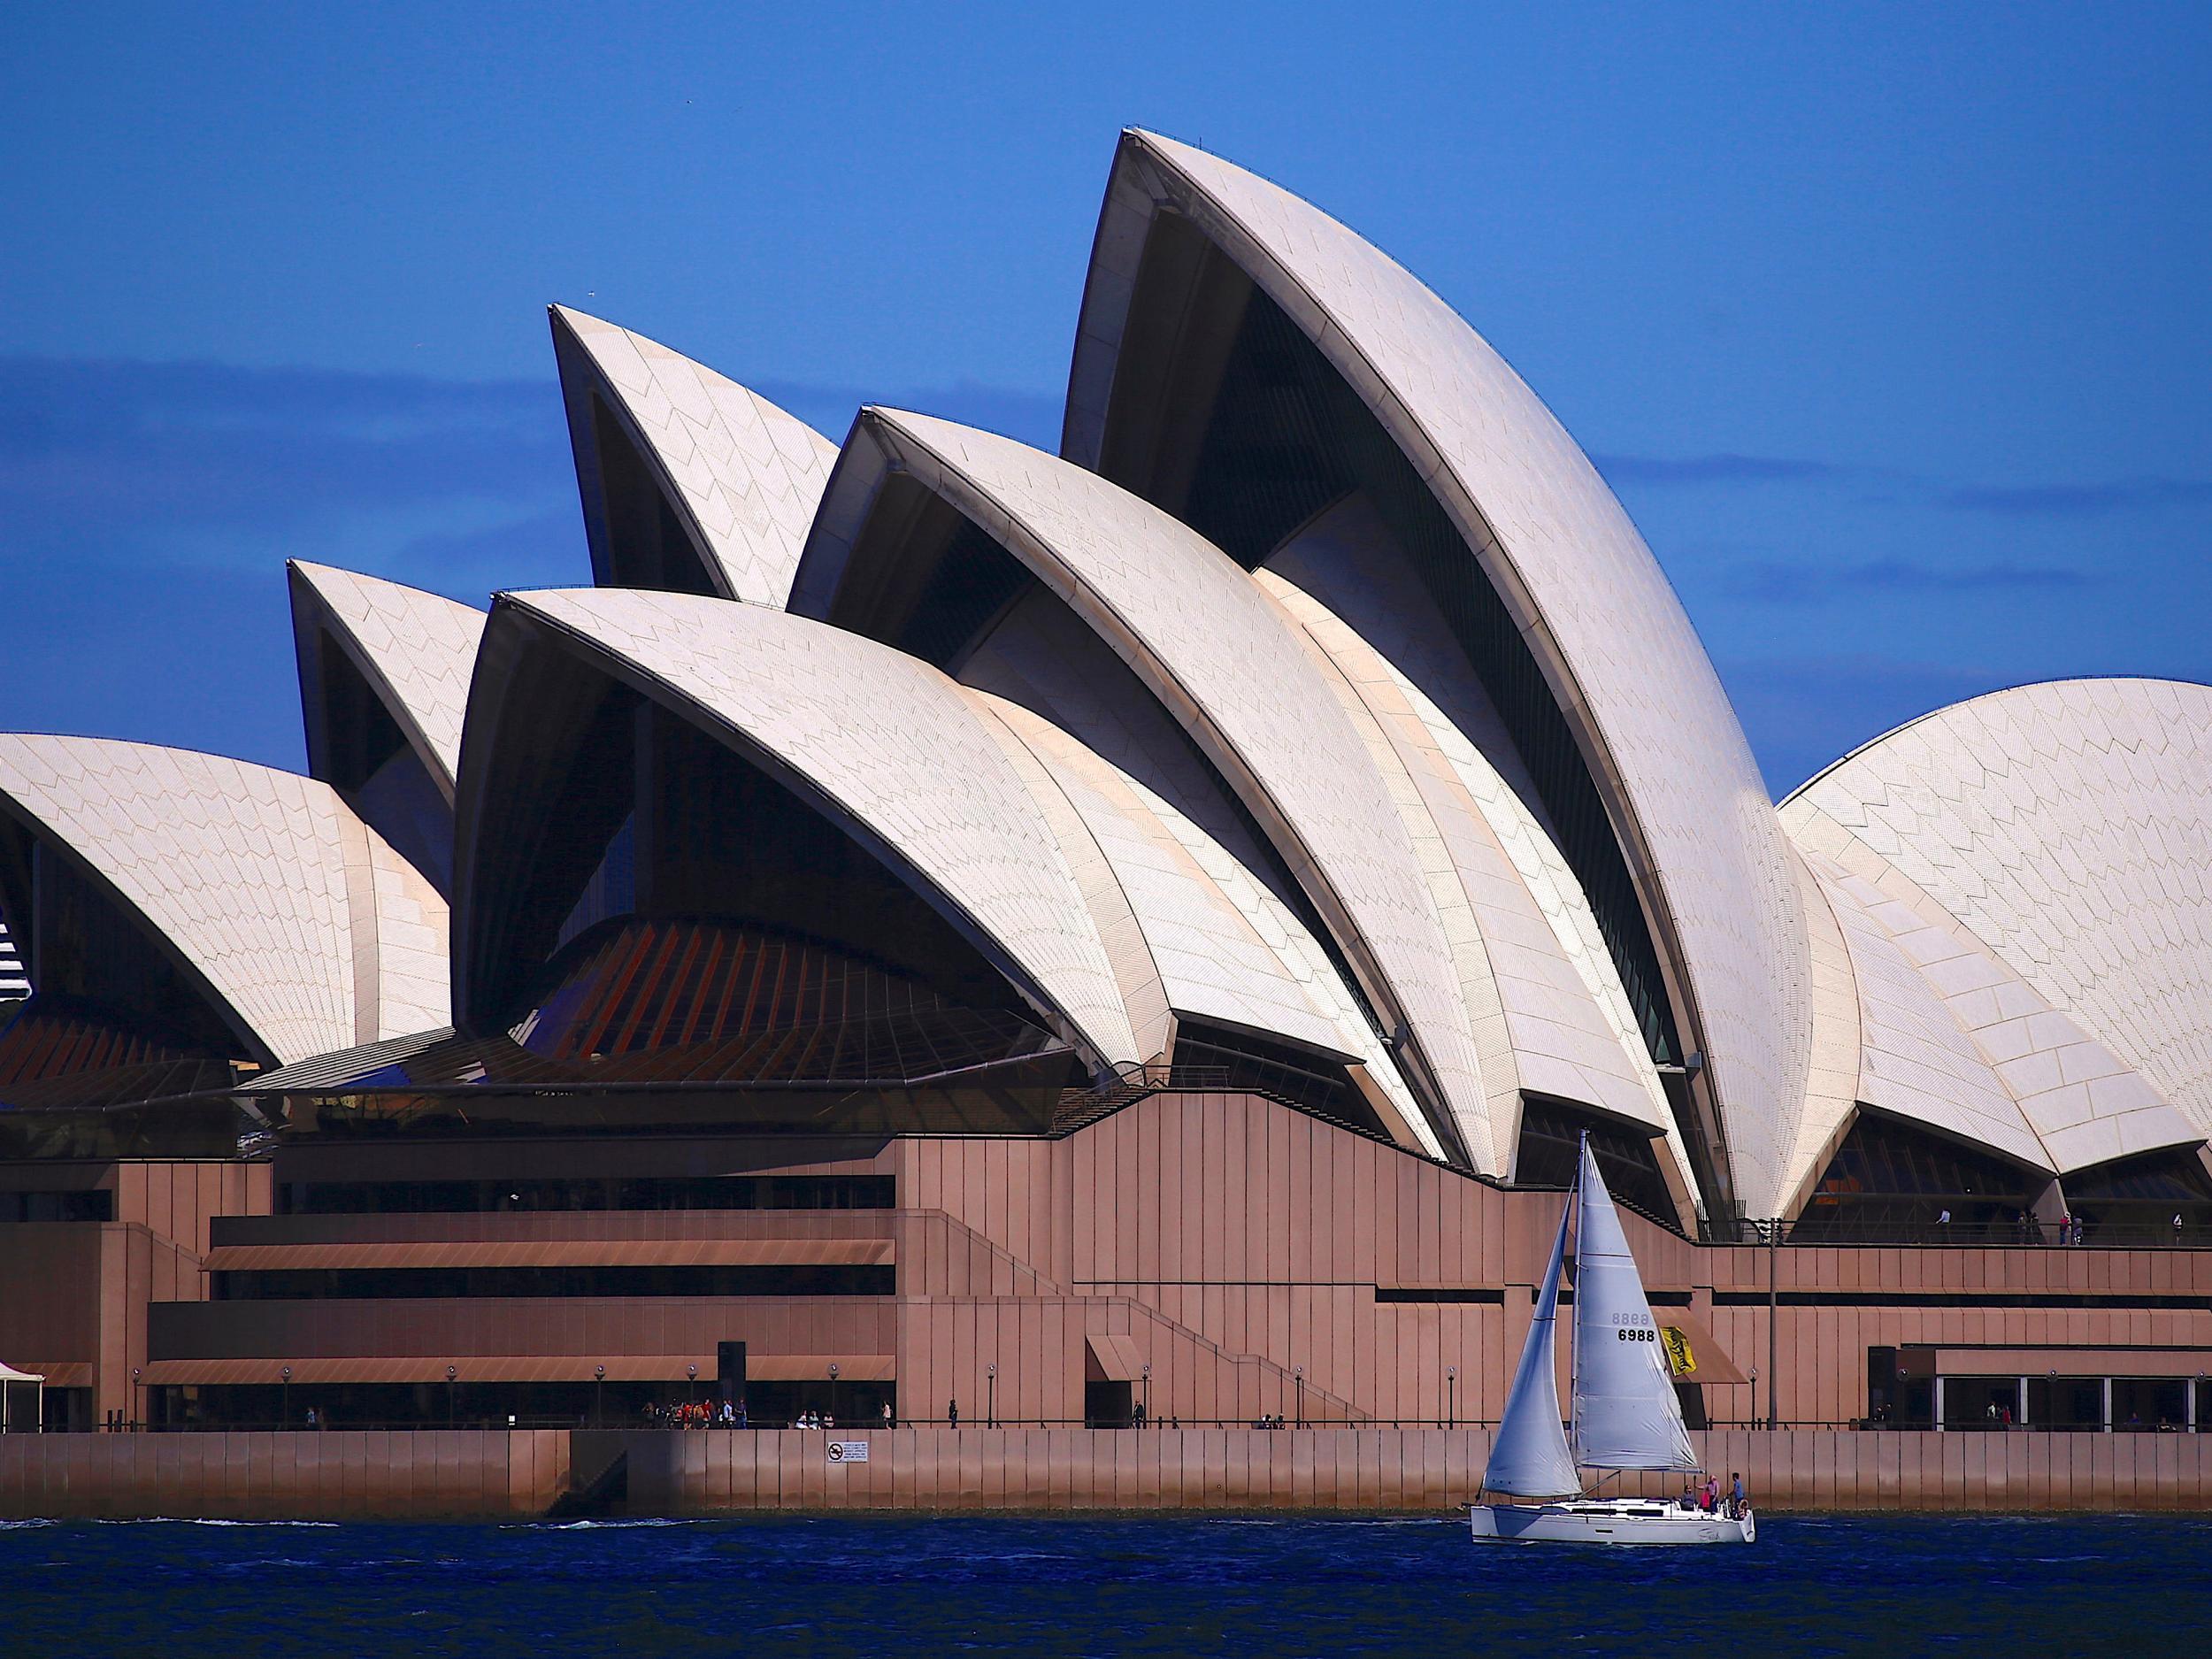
(436, 1473)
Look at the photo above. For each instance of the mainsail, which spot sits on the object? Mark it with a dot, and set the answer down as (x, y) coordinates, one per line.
(1625, 1412)
(1529, 1458)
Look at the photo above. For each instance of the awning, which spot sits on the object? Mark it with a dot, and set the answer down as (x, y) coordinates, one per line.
(517, 1368)
(2072, 1362)
(813, 1368)
(8, 1373)
(231, 1258)
(1115, 1358)
(76, 1373)
(1708, 1364)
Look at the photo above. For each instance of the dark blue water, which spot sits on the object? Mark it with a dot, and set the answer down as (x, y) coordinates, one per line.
(2014, 1587)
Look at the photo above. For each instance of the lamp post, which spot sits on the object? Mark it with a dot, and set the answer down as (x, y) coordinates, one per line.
(1451, 1396)
(832, 1371)
(135, 1401)
(599, 1397)
(1148, 1392)
(1298, 1376)
(284, 1410)
(691, 1391)
(1774, 1304)
(990, 1398)
(452, 1374)
(1755, 1396)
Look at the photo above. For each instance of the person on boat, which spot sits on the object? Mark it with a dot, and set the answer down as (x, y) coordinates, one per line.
(1736, 1503)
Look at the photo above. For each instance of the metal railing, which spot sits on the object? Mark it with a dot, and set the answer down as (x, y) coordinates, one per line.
(1958, 1234)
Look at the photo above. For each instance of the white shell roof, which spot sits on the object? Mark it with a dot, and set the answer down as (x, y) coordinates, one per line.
(2050, 852)
(1633, 680)
(1226, 663)
(901, 754)
(1523, 934)
(745, 476)
(311, 930)
(1214, 941)
(416, 650)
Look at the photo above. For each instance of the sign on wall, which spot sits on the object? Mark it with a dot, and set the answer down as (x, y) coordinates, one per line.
(848, 1451)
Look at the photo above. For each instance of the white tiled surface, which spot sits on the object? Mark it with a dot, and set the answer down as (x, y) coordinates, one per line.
(1916, 1061)
(2045, 856)
(900, 751)
(1221, 946)
(1639, 681)
(1566, 1029)
(248, 873)
(1223, 659)
(1832, 1088)
(747, 476)
(416, 650)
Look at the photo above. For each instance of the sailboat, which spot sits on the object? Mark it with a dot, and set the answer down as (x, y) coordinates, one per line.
(1625, 1412)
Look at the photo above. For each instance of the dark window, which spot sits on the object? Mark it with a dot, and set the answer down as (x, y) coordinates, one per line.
(74, 1206)
(1246, 1061)
(1551, 1148)
(1891, 1183)
(442, 1283)
(2139, 1199)
(1426, 1294)
(706, 1192)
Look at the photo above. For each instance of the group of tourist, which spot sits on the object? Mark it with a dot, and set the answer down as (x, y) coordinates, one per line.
(1710, 1500)
(697, 1414)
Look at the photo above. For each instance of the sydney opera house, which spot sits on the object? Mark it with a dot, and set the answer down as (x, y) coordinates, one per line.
(942, 928)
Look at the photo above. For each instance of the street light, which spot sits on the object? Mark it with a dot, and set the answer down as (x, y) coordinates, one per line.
(990, 1401)
(1148, 1391)
(451, 1372)
(1298, 1376)
(599, 1396)
(691, 1389)
(832, 1408)
(1451, 1396)
(1755, 1396)
(284, 1411)
(135, 1401)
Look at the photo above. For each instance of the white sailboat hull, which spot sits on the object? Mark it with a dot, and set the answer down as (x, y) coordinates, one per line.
(1609, 1521)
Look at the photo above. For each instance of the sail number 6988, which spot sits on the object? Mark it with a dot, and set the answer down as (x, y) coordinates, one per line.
(1627, 1334)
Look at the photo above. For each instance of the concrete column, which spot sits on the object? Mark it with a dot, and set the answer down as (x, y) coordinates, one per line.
(2192, 1403)
(1938, 1405)
(2020, 1412)
(2107, 1405)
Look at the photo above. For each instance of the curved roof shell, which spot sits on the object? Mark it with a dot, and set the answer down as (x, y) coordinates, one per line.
(2048, 851)
(889, 750)
(416, 649)
(1622, 662)
(306, 931)
(1229, 666)
(1206, 939)
(1551, 1017)
(741, 476)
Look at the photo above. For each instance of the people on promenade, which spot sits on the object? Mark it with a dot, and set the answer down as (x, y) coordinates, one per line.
(952, 1412)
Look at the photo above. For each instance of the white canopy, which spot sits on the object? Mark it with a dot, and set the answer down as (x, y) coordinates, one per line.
(8, 1373)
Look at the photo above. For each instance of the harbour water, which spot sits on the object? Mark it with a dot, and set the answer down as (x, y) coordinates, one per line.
(1090, 1585)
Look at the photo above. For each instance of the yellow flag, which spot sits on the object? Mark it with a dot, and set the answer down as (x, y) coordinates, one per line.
(1680, 1361)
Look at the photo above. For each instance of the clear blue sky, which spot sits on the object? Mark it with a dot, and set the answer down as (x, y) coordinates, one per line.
(1889, 324)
